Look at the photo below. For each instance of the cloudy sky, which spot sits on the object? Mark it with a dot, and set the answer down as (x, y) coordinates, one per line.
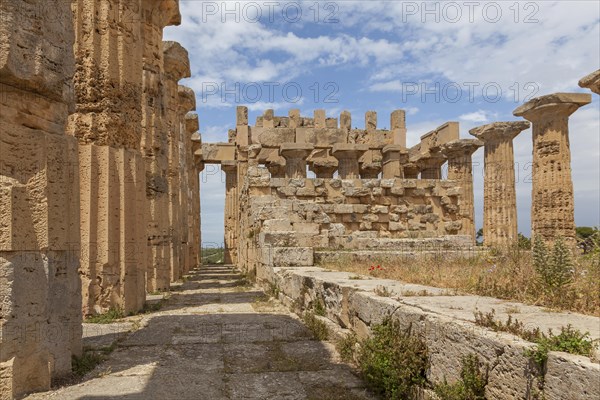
(472, 62)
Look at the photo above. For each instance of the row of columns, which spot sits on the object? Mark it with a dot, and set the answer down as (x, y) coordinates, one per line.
(552, 209)
(99, 187)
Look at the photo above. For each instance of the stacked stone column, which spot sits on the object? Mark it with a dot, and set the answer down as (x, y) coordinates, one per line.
(460, 169)
(500, 202)
(231, 181)
(187, 103)
(108, 125)
(193, 190)
(40, 292)
(553, 208)
(176, 67)
(242, 140)
(295, 155)
(157, 14)
(347, 155)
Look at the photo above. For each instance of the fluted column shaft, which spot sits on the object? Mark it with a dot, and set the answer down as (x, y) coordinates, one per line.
(460, 169)
(500, 203)
(552, 208)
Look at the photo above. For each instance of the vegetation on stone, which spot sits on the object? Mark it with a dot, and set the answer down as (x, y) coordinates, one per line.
(470, 386)
(393, 361)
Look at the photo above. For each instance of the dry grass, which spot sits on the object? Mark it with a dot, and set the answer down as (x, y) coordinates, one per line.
(508, 274)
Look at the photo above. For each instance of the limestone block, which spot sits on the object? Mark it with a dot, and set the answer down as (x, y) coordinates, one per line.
(360, 208)
(277, 225)
(343, 209)
(570, 376)
(303, 227)
(378, 209)
(356, 192)
(287, 256)
(397, 226)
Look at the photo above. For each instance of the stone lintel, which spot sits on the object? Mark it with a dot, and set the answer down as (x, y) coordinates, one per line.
(541, 105)
(216, 153)
(499, 130)
(591, 81)
(440, 135)
(176, 61)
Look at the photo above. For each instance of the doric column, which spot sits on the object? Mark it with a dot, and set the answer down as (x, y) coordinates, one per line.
(192, 127)
(499, 197)
(411, 171)
(108, 125)
(394, 158)
(430, 165)
(552, 209)
(40, 287)
(187, 103)
(323, 164)
(276, 166)
(231, 180)
(157, 15)
(176, 67)
(347, 155)
(460, 169)
(591, 81)
(295, 155)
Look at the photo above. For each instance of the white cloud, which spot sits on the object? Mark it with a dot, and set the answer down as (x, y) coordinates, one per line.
(477, 116)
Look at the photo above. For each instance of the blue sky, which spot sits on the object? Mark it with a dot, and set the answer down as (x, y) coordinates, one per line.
(472, 62)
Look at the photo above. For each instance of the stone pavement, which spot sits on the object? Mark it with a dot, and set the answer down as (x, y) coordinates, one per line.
(215, 337)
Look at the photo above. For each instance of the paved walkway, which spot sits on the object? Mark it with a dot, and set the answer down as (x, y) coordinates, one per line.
(215, 338)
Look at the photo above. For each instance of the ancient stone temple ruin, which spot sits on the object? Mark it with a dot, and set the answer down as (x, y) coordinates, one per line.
(100, 154)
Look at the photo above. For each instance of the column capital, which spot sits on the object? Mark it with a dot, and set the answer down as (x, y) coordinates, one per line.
(498, 131)
(460, 148)
(591, 81)
(187, 99)
(551, 105)
(192, 123)
(176, 61)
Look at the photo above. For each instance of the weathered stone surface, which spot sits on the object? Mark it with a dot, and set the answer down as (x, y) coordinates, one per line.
(500, 203)
(446, 324)
(552, 210)
(40, 289)
(591, 81)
